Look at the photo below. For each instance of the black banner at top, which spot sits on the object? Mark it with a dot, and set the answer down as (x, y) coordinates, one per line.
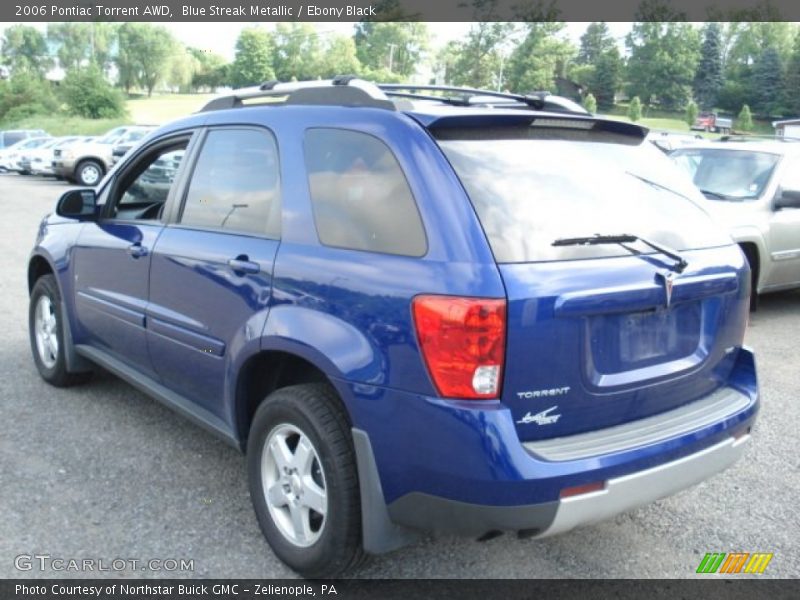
(398, 10)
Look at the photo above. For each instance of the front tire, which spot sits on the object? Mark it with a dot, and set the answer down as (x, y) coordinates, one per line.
(303, 480)
(45, 326)
(89, 173)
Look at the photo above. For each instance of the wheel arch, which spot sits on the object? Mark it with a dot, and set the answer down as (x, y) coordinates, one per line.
(272, 369)
(39, 265)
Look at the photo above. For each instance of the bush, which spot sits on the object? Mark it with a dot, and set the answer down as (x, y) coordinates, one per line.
(589, 103)
(691, 113)
(87, 94)
(24, 95)
(745, 120)
(635, 109)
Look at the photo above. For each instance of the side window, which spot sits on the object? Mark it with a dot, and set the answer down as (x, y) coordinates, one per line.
(236, 184)
(144, 190)
(791, 175)
(360, 197)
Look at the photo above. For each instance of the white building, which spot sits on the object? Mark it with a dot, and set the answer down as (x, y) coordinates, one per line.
(790, 128)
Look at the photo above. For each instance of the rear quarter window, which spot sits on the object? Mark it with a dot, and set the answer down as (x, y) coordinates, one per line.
(359, 195)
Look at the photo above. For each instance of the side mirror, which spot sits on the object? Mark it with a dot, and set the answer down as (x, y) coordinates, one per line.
(78, 204)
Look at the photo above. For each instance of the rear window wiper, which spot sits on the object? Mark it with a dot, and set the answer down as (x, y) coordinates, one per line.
(622, 239)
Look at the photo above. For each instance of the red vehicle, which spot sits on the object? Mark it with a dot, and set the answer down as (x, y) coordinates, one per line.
(709, 121)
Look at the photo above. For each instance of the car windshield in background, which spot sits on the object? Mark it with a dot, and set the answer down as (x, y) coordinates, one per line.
(530, 192)
(724, 174)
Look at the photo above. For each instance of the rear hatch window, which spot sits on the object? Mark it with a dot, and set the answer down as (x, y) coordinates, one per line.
(531, 186)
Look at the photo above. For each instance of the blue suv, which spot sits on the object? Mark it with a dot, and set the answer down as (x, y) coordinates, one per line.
(414, 308)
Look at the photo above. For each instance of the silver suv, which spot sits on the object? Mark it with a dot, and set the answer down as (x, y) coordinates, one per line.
(753, 189)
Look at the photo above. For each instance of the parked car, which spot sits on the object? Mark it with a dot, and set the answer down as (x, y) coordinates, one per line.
(11, 137)
(10, 157)
(36, 155)
(710, 121)
(128, 141)
(667, 141)
(753, 190)
(411, 313)
(87, 163)
(39, 161)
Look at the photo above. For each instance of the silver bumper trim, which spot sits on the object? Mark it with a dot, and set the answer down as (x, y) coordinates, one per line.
(630, 491)
(696, 415)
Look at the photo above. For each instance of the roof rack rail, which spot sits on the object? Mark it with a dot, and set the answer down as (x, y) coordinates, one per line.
(342, 90)
(464, 96)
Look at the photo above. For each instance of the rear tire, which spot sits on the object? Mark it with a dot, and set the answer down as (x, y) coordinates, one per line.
(45, 326)
(303, 480)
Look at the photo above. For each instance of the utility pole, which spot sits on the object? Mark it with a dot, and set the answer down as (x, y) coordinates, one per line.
(391, 57)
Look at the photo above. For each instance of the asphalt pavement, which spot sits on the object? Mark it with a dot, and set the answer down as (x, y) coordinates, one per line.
(102, 472)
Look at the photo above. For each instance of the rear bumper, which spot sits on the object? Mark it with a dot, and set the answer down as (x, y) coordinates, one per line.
(454, 468)
(619, 494)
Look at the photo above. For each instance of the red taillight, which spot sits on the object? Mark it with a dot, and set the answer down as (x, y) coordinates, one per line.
(463, 342)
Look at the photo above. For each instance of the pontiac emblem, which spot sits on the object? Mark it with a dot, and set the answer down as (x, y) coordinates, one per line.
(669, 281)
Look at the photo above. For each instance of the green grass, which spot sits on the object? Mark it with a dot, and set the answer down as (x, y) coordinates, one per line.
(673, 121)
(141, 111)
(160, 109)
(63, 125)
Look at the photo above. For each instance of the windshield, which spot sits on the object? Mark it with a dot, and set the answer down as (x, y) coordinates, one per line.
(528, 193)
(112, 135)
(725, 174)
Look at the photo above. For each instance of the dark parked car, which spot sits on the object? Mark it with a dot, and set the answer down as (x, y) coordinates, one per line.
(412, 312)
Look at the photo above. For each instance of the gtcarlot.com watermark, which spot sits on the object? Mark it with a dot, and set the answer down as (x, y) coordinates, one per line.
(58, 564)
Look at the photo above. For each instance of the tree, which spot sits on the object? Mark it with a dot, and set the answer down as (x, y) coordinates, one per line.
(539, 59)
(144, 54)
(708, 79)
(181, 68)
(745, 120)
(793, 79)
(662, 62)
(339, 58)
(73, 42)
(635, 109)
(25, 94)
(297, 52)
(606, 78)
(590, 104)
(211, 71)
(767, 83)
(479, 59)
(691, 113)
(254, 54)
(24, 48)
(595, 42)
(395, 46)
(88, 94)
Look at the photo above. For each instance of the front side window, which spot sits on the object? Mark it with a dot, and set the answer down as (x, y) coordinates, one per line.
(728, 174)
(144, 190)
(236, 184)
(360, 197)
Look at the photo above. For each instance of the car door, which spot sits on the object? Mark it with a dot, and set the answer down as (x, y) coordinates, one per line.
(113, 256)
(211, 276)
(784, 232)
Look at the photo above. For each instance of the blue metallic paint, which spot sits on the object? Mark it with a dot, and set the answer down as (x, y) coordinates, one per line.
(348, 313)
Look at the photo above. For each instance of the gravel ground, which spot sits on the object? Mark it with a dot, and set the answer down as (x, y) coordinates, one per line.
(101, 471)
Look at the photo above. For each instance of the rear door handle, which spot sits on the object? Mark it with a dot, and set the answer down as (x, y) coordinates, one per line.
(137, 250)
(241, 264)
